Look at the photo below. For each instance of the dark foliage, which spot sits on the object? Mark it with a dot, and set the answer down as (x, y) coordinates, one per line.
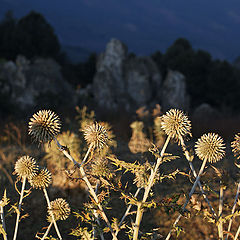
(30, 36)
(208, 81)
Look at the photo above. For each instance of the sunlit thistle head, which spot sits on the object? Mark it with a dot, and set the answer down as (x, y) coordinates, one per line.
(236, 146)
(96, 135)
(41, 180)
(60, 209)
(25, 167)
(44, 126)
(210, 147)
(176, 124)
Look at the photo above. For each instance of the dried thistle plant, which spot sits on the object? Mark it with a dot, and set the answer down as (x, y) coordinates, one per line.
(158, 132)
(25, 167)
(236, 146)
(176, 124)
(96, 135)
(60, 209)
(210, 147)
(42, 179)
(138, 142)
(44, 126)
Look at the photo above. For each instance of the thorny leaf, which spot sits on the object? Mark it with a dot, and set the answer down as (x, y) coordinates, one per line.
(82, 232)
(2, 231)
(178, 230)
(115, 225)
(14, 208)
(170, 175)
(208, 216)
(4, 202)
(167, 157)
(153, 235)
(24, 216)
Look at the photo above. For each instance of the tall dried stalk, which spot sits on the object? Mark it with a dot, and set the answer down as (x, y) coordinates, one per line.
(3, 222)
(147, 190)
(188, 199)
(51, 213)
(233, 210)
(220, 223)
(126, 212)
(189, 159)
(90, 187)
(19, 208)
(47, 231)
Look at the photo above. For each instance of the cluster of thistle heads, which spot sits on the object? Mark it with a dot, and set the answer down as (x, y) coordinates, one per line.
(40, 178)
(45, 125)
(209, 147)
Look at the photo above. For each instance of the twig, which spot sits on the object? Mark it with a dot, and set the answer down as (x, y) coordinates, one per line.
(47, 231)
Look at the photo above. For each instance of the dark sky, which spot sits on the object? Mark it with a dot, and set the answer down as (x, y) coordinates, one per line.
(144, 25)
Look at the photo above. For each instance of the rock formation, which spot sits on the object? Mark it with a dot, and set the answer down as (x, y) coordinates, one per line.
(174, 93)
(125, 82)
(31, 84)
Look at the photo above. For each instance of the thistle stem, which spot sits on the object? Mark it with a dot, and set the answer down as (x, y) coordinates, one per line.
(51, 213)
(188, 199)
(19, 208)
(237, 233)
(220, 224)
(126, 213)
(90, 187)
(187, 155)
(3, 222)
(233, 209)
(96, 216)
(147, 190)
(47, 231)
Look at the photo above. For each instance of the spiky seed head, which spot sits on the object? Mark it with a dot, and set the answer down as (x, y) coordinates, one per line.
(25, 167)
(44, 126)
(60, 209)
(176, 124)
(210, 147)
(42, 179)
(236, 146)
(96, 134)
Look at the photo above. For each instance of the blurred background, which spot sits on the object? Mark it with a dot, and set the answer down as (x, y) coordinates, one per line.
(120, 56)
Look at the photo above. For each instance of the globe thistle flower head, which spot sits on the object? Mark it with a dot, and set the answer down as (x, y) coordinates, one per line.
(236, 146)
(60, 209)
(101, 168)
(96, 135)
(210, 147)
(42, 179)
(176, 124)
(25, 167)
(44, 126)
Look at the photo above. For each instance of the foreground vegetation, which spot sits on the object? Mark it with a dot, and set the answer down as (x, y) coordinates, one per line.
(154, 183)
